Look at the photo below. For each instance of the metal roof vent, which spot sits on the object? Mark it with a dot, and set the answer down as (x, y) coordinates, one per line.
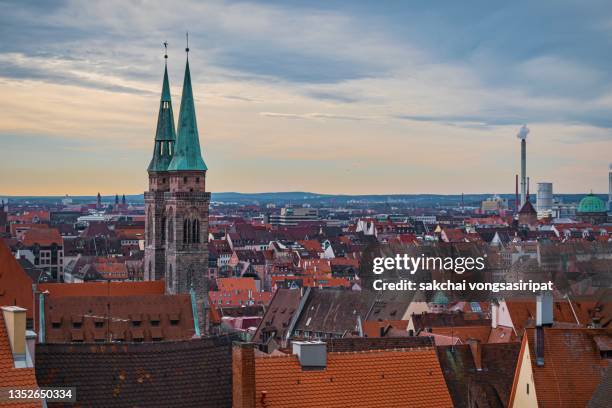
(312, 354)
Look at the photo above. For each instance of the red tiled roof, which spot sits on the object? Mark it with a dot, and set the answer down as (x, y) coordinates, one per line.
(573, 366)
(30, 216)
(370, 378)
(372, 328)
(465, 332)
(102, 318)
(523, 312)
(24, 227)
(112, 270)
(9, 375)
(311, 245)
(42, 237)
(229, 284)
(238, 292)
(104, 288)
(15, 284)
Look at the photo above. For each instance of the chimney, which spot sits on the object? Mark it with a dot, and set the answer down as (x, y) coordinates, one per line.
(544, 309)
(494, 312)
(243, 375)
(517, 204)
(476, 349)
(15, 322)
(544, 318)
(539, 346)
(312, 354)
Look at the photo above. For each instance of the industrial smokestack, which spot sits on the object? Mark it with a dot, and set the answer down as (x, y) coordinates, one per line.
(522, 135)
(516, 203)
(610, 188)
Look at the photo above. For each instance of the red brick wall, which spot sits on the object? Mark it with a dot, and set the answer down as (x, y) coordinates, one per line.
(243, 375)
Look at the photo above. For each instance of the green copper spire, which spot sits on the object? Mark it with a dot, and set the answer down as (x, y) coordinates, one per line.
(187, 155)
(165, 135)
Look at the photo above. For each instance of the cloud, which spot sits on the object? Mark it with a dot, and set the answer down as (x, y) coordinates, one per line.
(387, 85)
(309, 116)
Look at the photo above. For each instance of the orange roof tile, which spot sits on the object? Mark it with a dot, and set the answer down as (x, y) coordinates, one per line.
(523, 312)
(371, 328)
(465, 332)
(31, 216)
(15, 284)
(573, 366)
(104, 288)
(311, 245)
(370, 378)
(9, 375)
(42, 237)
(229, 284)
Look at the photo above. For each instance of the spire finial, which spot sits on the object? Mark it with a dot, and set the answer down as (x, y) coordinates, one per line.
(166, 51)
(187, 39)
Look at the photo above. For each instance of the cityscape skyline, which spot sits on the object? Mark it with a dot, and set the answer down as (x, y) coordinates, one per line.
(336, 111)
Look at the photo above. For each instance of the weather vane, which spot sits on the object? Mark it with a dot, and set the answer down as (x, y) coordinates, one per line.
(187, 38)
(166, 51)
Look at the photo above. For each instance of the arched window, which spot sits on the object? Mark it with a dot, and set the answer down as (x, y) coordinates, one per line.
(170, 225)
(149, 227)
(194, 231)
(170, 277)
(163, 229)
(185, 231)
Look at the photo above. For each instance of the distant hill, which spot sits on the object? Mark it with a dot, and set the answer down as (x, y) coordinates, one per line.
(296, 197)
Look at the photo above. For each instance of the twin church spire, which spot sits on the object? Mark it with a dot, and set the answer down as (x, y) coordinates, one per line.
(172, 153)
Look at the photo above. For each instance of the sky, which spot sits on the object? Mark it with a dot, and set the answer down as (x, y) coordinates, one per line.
(323, 96)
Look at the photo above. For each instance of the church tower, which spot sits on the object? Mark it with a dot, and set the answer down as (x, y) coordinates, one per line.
(187, 204)
(159, 184)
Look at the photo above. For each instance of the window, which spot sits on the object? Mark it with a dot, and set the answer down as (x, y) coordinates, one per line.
(174, 322)
(527, 388)
(154, 323)
(170, 226)
(184, 179)
(136, 323)
(170, 277)
(56, 325)
(197, 179)
(163, 229)
(185, 231)
(99, 324)
(76, 325)
(195, 231)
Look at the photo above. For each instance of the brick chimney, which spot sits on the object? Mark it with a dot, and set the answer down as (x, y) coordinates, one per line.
(243, 375)
(476, 349)
(15, 321)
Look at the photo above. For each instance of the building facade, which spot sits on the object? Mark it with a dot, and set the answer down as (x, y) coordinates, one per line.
(177, 204)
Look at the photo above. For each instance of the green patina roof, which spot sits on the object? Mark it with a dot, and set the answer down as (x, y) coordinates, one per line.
(187, 154)
(591, 204)
(165, 135)
(440, 298)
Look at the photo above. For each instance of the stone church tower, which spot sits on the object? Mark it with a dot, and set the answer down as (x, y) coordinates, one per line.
(176, 205)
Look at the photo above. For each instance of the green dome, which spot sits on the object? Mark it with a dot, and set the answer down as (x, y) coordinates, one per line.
(440, 298)
(591, 204)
